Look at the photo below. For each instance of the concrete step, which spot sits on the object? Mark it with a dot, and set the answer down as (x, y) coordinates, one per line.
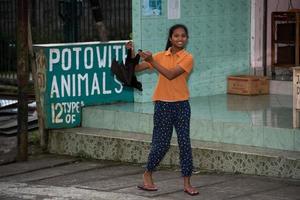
(134, 147)
(232, 119)
(281, 87)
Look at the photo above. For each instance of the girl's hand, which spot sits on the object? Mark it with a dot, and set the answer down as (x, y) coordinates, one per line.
(146, 56)
(129, 45)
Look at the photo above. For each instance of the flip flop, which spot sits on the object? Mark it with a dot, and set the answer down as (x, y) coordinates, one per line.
(191, 193)
(147, 188)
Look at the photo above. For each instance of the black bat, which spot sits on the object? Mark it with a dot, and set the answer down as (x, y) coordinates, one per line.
(126, 73)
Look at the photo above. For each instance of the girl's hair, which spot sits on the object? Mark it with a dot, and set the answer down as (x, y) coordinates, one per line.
(172, 29)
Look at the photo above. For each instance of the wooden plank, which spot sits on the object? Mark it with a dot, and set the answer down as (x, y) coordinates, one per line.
(43, 133)
(297, 45)
(273, 47)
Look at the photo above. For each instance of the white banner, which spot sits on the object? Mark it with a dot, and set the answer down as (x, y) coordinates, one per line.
(173, 9)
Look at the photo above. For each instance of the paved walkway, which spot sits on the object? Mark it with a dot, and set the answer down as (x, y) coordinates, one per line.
(58, 177)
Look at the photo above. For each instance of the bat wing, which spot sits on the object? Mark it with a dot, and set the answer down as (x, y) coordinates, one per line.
(129, 67)
(118, 70)
(136, 60)
(136, 84)
(126, 73)
(128, 57)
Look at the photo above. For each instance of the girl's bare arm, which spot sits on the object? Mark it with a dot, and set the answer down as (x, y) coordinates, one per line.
(168, 73)
(141, 66)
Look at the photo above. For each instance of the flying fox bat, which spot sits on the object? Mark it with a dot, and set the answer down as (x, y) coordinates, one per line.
(126, 73)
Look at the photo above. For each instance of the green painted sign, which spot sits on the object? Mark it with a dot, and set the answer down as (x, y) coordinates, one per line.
(74, 75)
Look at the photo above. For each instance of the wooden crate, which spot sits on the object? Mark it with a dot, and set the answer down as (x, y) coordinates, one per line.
(247, 85)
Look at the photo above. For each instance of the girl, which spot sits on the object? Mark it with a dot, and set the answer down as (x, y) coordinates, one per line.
(171, 105)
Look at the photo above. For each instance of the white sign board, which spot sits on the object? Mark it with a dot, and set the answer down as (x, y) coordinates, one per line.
(173, 9)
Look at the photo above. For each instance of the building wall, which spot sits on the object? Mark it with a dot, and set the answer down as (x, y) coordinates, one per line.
(219, 40)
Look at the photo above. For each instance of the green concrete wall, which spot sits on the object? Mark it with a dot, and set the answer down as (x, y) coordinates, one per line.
(219, 40)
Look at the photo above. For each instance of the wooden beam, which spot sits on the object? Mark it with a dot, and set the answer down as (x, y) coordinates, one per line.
(23, 78)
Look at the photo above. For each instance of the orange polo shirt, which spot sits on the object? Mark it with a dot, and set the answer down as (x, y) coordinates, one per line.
(176, 89)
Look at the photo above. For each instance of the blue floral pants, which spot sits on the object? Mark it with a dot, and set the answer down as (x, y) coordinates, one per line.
(166, 116)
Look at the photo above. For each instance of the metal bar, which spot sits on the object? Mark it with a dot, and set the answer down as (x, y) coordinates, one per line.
(46, 19)
(297, 39)
(129, 18)
(91, 29)
(6, 16)
(119, 18)
(54, 32)
(5, 25)
(125, 17)
(58, 28)
(117, 21)
(89, 16)
(50, 22)
(47, 26)
(43, 20)
(273, 47)
(115, 15)
(39, 25)
(10, 40)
